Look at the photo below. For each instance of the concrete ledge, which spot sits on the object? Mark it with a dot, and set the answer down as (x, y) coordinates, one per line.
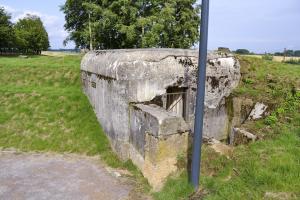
(161, 157)
(158, 137)
(158, 122)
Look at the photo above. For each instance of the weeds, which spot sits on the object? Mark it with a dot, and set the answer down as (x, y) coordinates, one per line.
(293, 61)
(268, 57)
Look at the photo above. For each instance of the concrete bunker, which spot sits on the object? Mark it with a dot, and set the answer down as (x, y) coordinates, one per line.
(145, 101)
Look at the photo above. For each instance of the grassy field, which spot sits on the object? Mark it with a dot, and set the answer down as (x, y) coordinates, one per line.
(276, 58)
(59, 53)
(42, 108)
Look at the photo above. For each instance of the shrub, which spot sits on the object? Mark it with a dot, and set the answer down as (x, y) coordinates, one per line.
(297, 53)
(271, 120)
(242, 51)
(248, 81)
(267, 57)
(280, 111)
(293, 61)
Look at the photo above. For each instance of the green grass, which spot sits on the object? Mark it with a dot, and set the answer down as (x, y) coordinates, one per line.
(293, 61)
(269, 165)
(42, 108)
(269, 81)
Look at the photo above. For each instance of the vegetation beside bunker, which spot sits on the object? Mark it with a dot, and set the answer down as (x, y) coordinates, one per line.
(270, 165)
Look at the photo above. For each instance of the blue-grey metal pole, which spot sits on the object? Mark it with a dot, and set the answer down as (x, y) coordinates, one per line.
(198, 129)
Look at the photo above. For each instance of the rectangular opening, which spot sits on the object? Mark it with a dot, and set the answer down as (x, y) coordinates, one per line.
(175, 101)
(93, 84)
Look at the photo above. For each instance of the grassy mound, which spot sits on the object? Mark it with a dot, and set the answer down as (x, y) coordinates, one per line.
(42, 108)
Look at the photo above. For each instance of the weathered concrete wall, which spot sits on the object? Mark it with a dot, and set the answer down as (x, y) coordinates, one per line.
(122, 83)
(157, 138)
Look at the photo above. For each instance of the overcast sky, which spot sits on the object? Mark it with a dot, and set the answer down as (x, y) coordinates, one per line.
(258, 25)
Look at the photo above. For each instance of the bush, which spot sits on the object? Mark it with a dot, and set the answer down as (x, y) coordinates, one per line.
(271, 120)
(267, 57)
(278, 54)
(293, 61)
(248, 81)
(280, 111)
(297, 53)
(242, 51)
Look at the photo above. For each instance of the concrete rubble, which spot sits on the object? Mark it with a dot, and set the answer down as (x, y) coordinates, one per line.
(258, 111)
(219, 147)
(240, 136)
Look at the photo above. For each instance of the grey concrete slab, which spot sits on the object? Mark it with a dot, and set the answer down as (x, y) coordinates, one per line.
(46, 176)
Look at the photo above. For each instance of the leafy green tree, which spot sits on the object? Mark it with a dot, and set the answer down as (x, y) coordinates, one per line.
(6, 30)
(289, 53)
(76, 18)
(132, 24)
(31, 35)
(242, 51)
(297, 53)
(278, 54)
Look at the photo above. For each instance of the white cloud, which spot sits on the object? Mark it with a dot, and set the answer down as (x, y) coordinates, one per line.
(48, 20)
(8, 8)
(58, 33)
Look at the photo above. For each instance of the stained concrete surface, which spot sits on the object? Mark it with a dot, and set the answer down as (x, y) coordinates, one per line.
(48, 176)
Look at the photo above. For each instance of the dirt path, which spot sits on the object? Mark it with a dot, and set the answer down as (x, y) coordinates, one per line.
(47, 176)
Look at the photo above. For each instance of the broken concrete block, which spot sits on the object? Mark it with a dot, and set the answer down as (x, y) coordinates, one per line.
(241, 108)
(240, 136)
(258, 111)
(210, 141)
(220, 147)
(161, 157)
(223, 149)
(158, 138)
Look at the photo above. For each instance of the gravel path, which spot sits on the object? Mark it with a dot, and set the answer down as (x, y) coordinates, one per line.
(48, 176)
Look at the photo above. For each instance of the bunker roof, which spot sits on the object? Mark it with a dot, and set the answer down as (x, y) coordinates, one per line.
(123, 62)
(129, 64)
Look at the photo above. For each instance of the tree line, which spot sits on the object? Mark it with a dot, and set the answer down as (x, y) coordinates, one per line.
(288, 53)
(27, 36)
(115, 24)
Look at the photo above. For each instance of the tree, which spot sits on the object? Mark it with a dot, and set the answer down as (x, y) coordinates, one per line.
(132, 24)
(278, 54)
(242, 51)
(31, 35)
(6, 30)
(289, 53)
(297, 53)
